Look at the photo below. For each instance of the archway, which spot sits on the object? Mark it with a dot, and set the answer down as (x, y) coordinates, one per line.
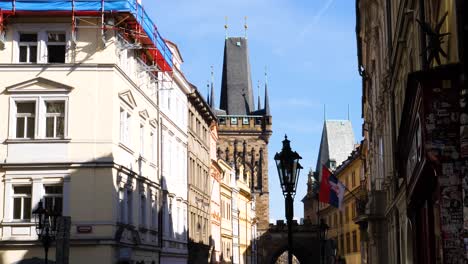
(283, 259)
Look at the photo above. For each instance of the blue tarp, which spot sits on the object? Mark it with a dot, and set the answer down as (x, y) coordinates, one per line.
(130, 6)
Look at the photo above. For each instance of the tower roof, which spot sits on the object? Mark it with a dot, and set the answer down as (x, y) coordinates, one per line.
(337, 143)
(236, 84)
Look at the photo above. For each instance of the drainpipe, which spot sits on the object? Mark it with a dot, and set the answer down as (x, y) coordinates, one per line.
(422, 43)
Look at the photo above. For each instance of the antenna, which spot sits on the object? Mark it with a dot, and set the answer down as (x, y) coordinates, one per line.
(245, 27)
(212, 74)
(266, 75)
(226, 26)
(324, 113)
(348, 112)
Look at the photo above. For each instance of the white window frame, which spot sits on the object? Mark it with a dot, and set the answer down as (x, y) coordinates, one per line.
(125, 126)
(42, 56)
(55, 44)
(16, 116)
(22, 196)
(28, 45)
(55, 116)
(142, 138)
(54, 196)
(40, 115)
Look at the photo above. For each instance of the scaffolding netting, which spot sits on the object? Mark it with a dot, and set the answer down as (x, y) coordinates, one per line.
(106, 6)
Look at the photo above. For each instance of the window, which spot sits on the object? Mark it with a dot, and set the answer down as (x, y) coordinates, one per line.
(25, 119)
(28, 47)
(153, 146)
(355, 242)
(348, 243)
(39, 117)
(233, 120)
(353, 179)
(245, 120)
(346, 214)
(143, 210)
(122, 204)
(56, 47)
(154, 213)
(142, 139)
(53, 198)
(129, 206)
(22, 202)
(124, 126)
(55, 119)
(342, 245)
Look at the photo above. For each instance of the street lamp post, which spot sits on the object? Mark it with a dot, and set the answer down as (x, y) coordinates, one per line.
(287, 163)
(46, 227)
(323, 238)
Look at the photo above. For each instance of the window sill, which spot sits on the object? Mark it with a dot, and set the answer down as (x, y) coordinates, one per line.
(18, 223)
(41, 140)
(129, 150)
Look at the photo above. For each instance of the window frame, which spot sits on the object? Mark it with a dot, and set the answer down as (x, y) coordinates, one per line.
(22, 115)
(55, 116)
(125, 131)
(21, 196)
(58, 43)
(42, 40)
(28, 44)
(40, 115)
(53, 195)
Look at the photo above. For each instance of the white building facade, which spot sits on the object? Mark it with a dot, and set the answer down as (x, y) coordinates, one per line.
(94, 130)
(173, 92)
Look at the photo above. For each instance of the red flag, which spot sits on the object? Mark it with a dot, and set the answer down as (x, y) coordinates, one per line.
(324, 192)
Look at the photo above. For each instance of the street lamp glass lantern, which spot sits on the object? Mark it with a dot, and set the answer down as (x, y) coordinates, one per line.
(39, 216)
(287, 163)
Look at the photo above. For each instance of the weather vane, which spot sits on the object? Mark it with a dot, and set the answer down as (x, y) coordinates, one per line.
(434, 47)
(226, 26)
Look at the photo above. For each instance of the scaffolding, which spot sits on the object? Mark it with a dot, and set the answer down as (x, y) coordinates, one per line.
(135, 30)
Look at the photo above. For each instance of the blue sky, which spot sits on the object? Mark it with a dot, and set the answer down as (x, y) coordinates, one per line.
(309, 49)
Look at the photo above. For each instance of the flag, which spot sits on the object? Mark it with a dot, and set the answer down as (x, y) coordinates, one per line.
(331, 189)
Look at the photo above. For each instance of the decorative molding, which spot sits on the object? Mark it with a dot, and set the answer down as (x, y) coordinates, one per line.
(39, 85)
(128, 98)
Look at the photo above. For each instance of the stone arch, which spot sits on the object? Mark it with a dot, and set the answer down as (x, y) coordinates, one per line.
(301, 249)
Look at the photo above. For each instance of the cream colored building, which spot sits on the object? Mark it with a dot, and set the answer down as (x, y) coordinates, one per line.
(226, 181)
(200, 182)
(87, 125)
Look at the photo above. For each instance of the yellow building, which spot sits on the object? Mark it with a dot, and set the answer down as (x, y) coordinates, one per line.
(225, 189)
(343, 230)
(245, 220)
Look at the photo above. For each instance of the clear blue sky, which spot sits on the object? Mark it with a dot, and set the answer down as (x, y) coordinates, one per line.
(309, 48)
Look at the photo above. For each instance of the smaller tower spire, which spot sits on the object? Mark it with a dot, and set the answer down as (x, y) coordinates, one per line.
(208, 92)
(226, 26)
(212, 102)
(259, 104)
(245, 27)
(267, 101)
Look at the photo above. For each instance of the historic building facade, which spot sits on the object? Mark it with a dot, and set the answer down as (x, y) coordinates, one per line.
(200, 119)
(413, 109)
(94, 122)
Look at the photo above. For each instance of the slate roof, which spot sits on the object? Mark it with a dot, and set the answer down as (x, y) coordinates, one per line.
(337, 143)
(236, 83)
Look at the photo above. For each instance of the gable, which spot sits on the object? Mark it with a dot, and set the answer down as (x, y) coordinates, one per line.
(128, 98)
(144, 114)
(39, 85)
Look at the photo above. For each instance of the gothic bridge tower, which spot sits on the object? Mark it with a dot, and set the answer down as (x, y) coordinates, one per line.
(244, 130)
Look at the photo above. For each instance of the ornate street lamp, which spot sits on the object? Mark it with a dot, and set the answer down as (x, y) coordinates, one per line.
(46, 226)
(323, 238)
(287, 163)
